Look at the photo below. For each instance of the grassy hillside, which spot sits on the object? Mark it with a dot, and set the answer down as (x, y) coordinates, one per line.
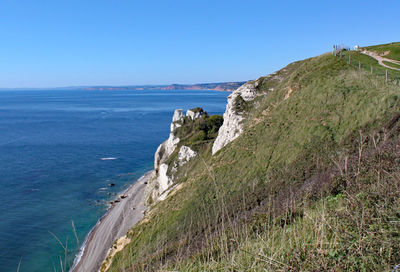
(359, 60)
(390, 50)
(311, 185)
(394, 65)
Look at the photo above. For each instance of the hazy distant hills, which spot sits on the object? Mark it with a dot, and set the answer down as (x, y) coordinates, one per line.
(225, 86)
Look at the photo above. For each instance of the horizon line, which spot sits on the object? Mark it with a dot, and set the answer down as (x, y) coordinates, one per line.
(118, 86)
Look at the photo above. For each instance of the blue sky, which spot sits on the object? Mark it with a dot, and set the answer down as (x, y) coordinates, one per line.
(113, 42)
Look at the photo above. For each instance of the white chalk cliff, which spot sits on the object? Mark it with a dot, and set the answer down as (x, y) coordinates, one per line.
(232, 126)
(162, 179)
(194, 114)
(185, 154)
(165, 149)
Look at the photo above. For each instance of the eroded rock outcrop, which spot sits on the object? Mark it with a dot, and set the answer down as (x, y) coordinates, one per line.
(165, 149)
(162, 177)
(195, 113)
(185, 154)
(232, 126)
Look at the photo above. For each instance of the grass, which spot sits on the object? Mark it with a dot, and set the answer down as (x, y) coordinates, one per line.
(240, 105)
(287, 195)
(369, 65)
(391, 64)
(351, 227)
(66, 261)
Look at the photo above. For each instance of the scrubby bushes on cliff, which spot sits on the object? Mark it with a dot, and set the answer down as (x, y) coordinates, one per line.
(204, 128)
(241, 105)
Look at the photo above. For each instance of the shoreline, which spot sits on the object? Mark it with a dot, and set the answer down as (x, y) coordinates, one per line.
(117, 220)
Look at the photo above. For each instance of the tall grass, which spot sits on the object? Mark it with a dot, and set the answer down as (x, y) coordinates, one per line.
(353, 226)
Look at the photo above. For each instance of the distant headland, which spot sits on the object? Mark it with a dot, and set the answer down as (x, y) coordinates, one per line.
(225, 86)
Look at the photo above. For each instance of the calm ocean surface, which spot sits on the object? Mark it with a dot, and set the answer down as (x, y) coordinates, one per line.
(51, 172)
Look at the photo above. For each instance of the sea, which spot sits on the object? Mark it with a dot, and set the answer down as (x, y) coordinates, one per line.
(60, 153)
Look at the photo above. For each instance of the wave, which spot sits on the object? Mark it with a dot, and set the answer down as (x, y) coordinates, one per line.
(108, 159)
(79, 255)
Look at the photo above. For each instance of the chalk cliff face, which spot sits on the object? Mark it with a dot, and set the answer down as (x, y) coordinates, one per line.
(232, 126)
(196, 113)
(166, 148)
(185, 154)
(162, 179)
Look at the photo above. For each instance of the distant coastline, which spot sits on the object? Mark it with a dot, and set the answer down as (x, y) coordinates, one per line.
(222, 86)
(225, 86)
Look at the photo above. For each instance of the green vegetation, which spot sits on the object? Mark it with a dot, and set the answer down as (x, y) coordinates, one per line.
(198, 109)
(390, 50)
(241, 106)
(311, 185)
(198, 134)
(391, 64)
(367, 63)
(194, 133)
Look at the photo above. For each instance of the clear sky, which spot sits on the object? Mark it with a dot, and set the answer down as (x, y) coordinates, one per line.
(46, 43)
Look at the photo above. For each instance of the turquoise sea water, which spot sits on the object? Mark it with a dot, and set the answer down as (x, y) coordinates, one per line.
(51, 168)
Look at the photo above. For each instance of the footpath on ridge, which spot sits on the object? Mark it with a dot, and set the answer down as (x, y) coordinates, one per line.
(381, 59)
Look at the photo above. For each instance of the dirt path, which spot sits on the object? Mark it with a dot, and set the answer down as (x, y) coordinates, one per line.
(381, 59)
(114, 224)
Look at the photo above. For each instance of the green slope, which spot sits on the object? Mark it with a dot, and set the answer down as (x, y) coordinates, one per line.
(311, 184)
(391, 64)
(359, 60)
(390, 50)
